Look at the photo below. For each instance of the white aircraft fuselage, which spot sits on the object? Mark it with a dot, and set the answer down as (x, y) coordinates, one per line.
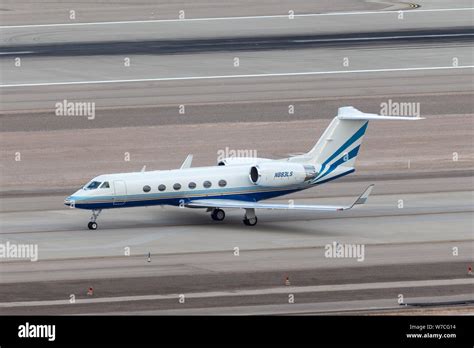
(180, 186)
(237, 182)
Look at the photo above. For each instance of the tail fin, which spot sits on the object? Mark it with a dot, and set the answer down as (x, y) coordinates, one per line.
(336, 151)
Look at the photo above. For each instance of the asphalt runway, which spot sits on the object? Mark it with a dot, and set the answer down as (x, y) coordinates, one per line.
(438, 146)
(257, 23)
(426, 166)
(237, 44)
(408, 251)
(20, 12)
(198, 66)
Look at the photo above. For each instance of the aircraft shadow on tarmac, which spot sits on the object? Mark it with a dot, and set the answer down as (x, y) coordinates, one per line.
(300, 223)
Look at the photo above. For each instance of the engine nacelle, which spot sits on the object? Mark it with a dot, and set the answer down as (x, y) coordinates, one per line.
(229, 161)
(281, 173)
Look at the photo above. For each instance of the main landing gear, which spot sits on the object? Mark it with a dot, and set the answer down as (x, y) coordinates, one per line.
(250, 219)
(92, 224)
(218, 215)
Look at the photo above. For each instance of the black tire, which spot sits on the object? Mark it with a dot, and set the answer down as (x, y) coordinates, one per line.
(252, 222)
(218, 215)
(92, 225)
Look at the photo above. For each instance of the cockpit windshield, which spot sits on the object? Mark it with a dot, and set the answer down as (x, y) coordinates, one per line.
(92, 185)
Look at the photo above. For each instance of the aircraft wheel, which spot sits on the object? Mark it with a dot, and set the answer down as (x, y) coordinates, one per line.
(218, 215)
(250, 222)
(92, 225)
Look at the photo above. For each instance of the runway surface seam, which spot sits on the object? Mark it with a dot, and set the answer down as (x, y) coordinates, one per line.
(239, 76)
(279, 290)
(287, 16)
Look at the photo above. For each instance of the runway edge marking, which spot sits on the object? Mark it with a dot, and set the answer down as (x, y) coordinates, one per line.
(254, 292)
(282, 16)
(215, 77)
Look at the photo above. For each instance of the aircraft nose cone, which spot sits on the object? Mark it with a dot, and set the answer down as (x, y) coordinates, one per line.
(72, 199)
(68, 201)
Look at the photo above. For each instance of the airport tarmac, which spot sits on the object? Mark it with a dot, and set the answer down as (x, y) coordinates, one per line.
(194, 256)
(78, 69)
(435, 146)
(253, 19)
(417, 228)
(19, 12)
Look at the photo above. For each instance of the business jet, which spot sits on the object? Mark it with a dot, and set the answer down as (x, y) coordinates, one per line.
(238, 182)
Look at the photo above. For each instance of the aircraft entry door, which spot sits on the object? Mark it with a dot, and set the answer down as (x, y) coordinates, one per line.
(120, 190)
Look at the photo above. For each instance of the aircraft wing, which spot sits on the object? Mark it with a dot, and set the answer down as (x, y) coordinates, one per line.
(232, 203)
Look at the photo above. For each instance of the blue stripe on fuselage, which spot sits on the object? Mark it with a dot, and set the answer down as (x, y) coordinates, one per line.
(245, 191)
(248, 197)
(252, 197)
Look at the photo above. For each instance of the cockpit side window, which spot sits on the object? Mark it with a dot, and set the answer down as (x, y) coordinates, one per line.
(105, 185)
(93, 185)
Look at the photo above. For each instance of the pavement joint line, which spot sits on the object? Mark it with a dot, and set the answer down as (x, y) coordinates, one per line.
(254, 292)
(300, 308)
(225, 251)
(208, 224)
(215, 77)
(375, 38)
(285, 16)
(260, 102)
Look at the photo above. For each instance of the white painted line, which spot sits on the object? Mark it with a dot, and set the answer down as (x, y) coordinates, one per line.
(267, 291)
(184, 78)
(286, 16)
(19, 52)
(386, 37)
(296, 308)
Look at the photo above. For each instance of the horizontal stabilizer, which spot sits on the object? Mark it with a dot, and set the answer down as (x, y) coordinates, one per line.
(351, 113)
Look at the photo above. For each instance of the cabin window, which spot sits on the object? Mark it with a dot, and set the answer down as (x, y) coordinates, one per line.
(161, 187)
(207, 184)
(105, 185)
(177, 186)
(222, 183)
(93, 185)
(192, 185)
(146, 188)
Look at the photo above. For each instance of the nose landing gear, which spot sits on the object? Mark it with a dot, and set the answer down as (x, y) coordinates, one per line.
(92, 225)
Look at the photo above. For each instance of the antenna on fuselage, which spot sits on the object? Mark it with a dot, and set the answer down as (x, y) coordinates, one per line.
(143, 169)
